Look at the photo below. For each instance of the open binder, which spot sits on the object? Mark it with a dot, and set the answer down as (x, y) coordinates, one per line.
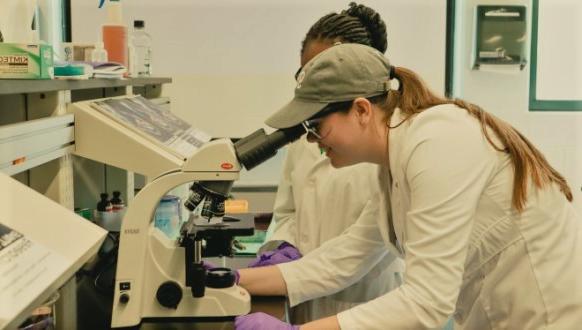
(42, 245)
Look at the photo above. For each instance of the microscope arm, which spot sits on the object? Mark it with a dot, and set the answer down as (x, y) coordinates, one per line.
(195, 271)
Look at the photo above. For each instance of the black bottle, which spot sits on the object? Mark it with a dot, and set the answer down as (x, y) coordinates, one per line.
(117, 202)
(104, 204)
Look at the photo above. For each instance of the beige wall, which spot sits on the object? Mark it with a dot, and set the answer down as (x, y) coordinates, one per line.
(233, 61)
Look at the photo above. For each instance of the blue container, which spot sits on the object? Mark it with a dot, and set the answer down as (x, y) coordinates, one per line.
(168, 216)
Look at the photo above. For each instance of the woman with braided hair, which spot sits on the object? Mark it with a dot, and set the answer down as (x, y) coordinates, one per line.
(358, 24)
(315, 202)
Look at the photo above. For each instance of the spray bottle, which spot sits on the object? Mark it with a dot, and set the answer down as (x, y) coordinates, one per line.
(114, 33)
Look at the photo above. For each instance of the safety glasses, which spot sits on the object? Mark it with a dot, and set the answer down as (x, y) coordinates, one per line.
(297, 72)
(312, 127)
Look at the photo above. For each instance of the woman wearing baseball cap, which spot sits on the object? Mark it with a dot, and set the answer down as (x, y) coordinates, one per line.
(485, 225)
(312, 192)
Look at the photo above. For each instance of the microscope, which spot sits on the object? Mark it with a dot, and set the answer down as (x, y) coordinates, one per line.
(160, 278)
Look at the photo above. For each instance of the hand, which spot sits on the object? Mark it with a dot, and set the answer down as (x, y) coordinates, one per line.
(261, 321)
(208, 265)
(283, 253)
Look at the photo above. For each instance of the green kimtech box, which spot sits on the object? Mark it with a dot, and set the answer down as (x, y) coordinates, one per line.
(26, 61)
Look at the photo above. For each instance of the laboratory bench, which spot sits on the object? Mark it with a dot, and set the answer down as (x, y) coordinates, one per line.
(94, 307)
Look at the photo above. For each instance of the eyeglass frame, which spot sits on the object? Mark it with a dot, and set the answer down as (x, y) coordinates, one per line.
(311, 125)
(298, 72)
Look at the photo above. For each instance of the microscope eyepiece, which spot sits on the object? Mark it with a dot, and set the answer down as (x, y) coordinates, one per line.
(251, 151)
(256, 148)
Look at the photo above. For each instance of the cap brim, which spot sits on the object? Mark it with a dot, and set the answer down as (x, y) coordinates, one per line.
(294, 113)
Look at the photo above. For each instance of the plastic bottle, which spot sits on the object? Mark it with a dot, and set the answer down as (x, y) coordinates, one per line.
(131, 60)
(117, 202)
(114, 33)
(98, 54)
(141, 44)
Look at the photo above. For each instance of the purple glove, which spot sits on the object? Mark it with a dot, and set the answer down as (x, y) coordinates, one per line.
(209, 266)
(283, 253)
(261, 321)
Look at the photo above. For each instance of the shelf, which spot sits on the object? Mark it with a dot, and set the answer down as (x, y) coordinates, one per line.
(150, 81)
(29, 144)
(22, 86)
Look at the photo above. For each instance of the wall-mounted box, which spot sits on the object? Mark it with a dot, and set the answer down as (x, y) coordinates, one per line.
(500, 36)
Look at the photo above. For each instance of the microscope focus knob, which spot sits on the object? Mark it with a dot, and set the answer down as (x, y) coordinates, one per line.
(124, 298)
(169, 294)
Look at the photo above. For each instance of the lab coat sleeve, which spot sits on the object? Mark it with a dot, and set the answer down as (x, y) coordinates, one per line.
(446, 165)
(283, 221)
(339, 262)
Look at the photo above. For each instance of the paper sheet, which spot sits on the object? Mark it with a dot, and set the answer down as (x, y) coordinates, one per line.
(26, 270)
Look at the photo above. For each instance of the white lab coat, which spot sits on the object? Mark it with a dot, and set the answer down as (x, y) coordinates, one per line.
(315, 203)
(467, 252)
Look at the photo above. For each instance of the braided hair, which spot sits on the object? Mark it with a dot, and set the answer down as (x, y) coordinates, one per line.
(357, 24)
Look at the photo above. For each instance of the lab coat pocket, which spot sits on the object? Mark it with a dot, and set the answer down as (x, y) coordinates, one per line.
(478, 318)
(398, 216)
(469, 294)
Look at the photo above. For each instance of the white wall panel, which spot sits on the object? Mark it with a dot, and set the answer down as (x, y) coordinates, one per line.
(559, 50)
(233, 61)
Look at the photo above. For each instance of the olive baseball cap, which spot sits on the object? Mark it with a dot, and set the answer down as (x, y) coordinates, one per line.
(340, 73)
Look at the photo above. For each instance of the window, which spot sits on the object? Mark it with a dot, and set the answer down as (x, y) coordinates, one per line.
(556, 56)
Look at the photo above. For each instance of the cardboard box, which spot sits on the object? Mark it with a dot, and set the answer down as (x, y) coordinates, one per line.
(73, 52)
(26, 61)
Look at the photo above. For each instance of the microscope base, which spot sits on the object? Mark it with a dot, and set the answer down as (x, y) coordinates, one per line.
(226, 302)
(231, 301)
